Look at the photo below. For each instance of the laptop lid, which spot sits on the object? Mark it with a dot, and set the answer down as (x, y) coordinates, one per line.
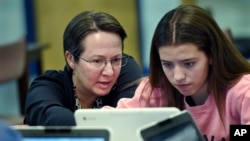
(122, 123)
(180, 127)
(54, 133)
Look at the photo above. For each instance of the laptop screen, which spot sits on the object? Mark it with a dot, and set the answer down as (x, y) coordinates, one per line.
(185, 132)
(180, 127)
(63, 139)
(38, 133)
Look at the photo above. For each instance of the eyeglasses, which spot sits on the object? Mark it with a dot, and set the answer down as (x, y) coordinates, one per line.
(115, 62)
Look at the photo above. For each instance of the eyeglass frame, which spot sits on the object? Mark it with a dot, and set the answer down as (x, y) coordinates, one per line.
(105, 62)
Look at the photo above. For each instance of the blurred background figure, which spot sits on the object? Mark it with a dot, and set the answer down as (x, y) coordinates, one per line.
(7, 133)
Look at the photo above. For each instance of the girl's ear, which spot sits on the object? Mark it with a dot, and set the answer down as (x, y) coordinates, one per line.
(70, 60)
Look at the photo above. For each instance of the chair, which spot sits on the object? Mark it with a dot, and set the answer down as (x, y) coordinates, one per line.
(13, 62)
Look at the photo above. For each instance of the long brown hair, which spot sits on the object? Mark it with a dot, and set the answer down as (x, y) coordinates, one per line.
(192, 24)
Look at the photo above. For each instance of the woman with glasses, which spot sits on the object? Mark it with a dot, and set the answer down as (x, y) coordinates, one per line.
(97, 72)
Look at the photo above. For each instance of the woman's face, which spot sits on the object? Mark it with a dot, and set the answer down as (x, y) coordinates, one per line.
(186, 68)
(91, 78)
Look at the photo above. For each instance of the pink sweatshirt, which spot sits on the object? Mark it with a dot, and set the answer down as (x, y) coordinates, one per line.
(206, 116)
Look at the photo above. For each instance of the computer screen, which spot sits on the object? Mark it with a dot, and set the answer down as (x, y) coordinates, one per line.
(63, 139)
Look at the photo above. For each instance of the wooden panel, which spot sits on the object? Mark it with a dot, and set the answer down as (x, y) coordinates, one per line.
(52, 16)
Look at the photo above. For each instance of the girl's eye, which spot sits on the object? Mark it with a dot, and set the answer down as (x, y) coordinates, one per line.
(189, 64)
(167, 65)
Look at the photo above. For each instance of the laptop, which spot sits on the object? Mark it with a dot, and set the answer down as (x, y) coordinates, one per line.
(60, 133)
(122, 123)
(180, 127)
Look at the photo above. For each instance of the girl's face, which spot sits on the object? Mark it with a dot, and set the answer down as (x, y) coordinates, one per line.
(91, 78)
(186, 68)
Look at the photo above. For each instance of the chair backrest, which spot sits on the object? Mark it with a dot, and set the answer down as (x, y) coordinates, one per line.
(13, 63)
(12, 60)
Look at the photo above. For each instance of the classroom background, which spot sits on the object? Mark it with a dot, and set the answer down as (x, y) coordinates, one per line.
(42, 23)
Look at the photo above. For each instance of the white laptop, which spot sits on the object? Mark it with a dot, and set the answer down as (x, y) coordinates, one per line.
(122, 123)
(61, 133)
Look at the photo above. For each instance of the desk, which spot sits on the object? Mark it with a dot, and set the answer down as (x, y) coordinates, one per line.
(33, 54)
